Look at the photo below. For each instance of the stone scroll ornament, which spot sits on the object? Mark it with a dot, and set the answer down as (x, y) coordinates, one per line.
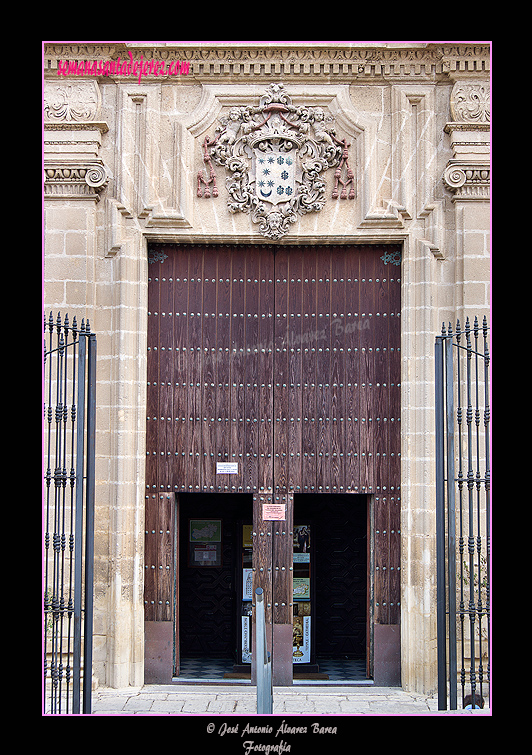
(276, 154)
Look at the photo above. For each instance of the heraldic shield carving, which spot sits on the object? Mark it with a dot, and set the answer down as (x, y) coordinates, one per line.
(276, 154)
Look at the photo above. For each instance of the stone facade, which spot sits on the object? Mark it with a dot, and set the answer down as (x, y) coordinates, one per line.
(125, 129)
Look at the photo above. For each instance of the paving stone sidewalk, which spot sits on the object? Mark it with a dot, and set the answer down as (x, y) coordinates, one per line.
(240, 700)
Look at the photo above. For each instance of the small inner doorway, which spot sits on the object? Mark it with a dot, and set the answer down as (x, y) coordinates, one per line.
(208, 633)
(338, 527)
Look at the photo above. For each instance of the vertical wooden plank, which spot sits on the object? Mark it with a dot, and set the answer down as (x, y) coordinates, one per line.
(373, 392)
(177, 658)
(351, 346)
(281, 373)
(181, 388)
(365, 374)
(262, 556)
(337, 377)
(266, 276)
(282, 573)
(192, 439)
(237, 367)
(150, 556)
(394, 528)
(251, 420)
(152, 397)
(223, 405)
(282, 592)
(394, 376)
(165, 560)
(309, 367)
(371, 412)
(166, 353)
(323, 400)
(394, 438)
(295, 401)
(381, 591)
(208, 374)
(382, 388)
(370, 578)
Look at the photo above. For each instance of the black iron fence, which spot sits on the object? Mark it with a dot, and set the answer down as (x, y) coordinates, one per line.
(463, 508)
(69, 387)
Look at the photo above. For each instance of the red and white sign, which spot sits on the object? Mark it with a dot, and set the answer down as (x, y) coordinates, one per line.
(274, 512)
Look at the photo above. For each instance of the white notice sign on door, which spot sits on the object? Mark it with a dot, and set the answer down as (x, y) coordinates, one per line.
(226, 467)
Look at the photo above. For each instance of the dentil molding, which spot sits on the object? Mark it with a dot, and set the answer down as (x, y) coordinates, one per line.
(351, 61)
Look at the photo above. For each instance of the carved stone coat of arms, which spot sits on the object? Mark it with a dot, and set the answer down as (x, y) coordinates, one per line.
(275, 155)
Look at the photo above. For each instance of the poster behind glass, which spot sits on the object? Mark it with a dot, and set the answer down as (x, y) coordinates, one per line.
(247, 591)
(301, 591)
(205, 543)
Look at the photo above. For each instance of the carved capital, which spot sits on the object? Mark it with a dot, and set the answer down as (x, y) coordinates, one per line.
(74, 181)
(468, 181)
(468, 174)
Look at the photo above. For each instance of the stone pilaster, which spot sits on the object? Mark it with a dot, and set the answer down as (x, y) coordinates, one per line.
(82, 280)
(467, 177)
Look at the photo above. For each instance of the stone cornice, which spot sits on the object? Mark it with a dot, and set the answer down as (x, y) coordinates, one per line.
(450, 127)
(239, 61)
(76, 126)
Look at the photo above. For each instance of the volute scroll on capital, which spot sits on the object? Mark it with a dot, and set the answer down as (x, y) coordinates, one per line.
(74, 180)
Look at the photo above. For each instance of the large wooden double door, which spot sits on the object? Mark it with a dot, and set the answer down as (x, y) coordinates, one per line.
(272, 371)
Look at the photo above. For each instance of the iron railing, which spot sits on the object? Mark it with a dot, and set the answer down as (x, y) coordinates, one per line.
(264, 664)
(463, 510)
(69, 387)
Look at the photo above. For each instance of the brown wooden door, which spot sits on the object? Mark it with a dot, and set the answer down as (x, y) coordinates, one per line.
(285, 362)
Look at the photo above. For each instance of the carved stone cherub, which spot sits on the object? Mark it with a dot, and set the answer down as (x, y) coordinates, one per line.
(231, 127)
(321, 132)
